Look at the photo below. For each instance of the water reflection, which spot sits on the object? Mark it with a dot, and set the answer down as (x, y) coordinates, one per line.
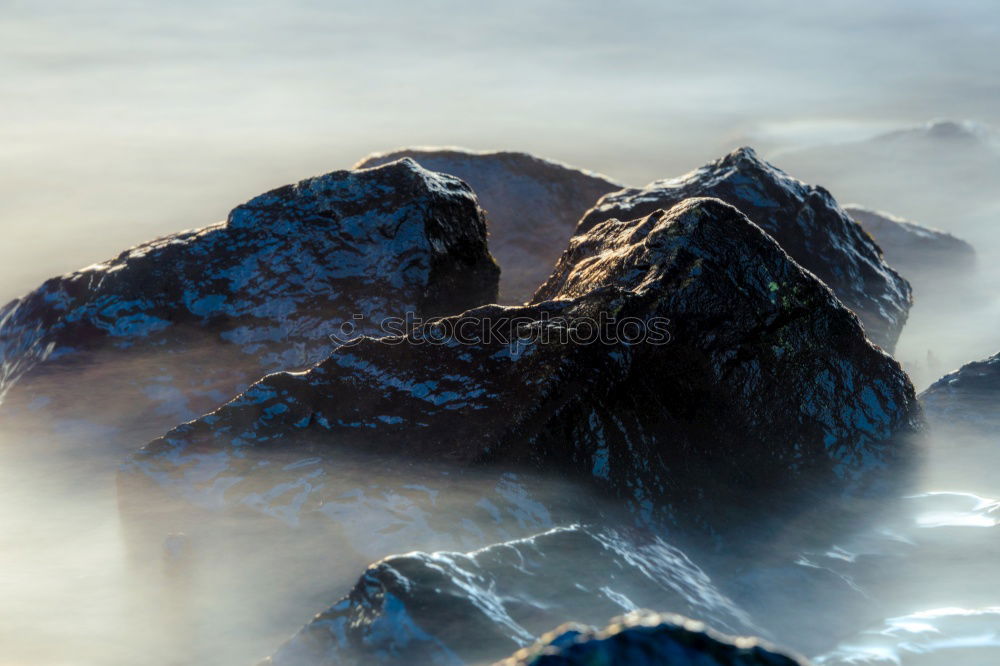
(938, 584)
(937, 636)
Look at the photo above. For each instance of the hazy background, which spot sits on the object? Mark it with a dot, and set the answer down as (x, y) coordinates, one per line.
(120, 121)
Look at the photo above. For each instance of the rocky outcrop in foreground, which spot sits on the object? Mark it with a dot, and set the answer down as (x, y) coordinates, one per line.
(471, 608)
(684, 365)
(916, 251)
(532, 204)
(648, 639)
(178, 325)
(804, 219)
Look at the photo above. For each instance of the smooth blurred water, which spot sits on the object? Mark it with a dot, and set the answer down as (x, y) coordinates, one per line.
(120, 121)
(938, 581)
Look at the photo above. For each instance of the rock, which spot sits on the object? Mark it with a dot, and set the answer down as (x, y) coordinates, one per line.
(767, 391)
(176, 326)
(969, 396)
(471, 608)
(916, 251)
(648, 639)
(532, 204)
(805, 220)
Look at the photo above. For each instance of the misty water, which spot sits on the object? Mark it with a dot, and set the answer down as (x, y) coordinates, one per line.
(76, 590)
(121, 122)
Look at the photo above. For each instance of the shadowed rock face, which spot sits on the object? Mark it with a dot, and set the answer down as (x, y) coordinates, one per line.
(648, 639)
(471, 608)
(532, 204)
(176, 326)
(915, 250)
(970, 396)
(804, 219)
(768, 393)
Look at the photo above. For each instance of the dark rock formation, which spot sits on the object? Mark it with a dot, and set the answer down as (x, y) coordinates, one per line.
(767, 394)
(470, 608)
(916, 251)
(805, 220)
(180, 324)
(648, 639)
(969, 396)
(532, 204)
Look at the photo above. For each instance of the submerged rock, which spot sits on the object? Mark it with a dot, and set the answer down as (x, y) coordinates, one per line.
(176, 326)
(917, 251)
(648, 639)
(532, 204)
(471, 608)
(804, 219)
(767, 395)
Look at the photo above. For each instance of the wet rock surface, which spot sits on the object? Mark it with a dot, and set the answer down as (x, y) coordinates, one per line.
(918, 252)
(471, 608)
(648, 639)
(805, 220)
(177, 326)
(767, 393)
(532, 206)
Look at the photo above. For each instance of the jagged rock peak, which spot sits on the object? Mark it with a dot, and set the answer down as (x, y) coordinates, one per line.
(805, 220)
(533, 205)
(635, 254)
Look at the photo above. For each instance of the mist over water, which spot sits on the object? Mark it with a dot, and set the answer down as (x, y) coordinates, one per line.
(123, 121)
(86, 583)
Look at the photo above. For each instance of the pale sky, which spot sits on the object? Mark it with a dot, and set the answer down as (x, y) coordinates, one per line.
(121, 121)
